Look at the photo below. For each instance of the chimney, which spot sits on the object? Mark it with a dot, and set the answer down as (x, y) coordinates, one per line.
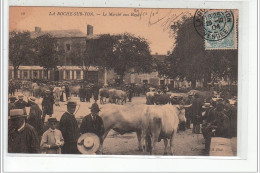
(37, 29)
(89, 30)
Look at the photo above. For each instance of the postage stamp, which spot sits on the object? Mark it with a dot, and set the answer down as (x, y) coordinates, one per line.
(217, 27)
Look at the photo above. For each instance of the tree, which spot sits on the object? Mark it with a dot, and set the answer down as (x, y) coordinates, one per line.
(121, 52)
(47, 52)
(189, 60)
(130, 52)
(20, 49)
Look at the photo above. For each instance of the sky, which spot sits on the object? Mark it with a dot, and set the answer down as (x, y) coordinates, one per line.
(152, 24)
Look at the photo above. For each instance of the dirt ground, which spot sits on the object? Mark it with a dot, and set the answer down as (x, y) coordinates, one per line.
(185, 144)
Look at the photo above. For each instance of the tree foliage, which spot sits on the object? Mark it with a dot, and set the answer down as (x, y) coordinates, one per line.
(121, 52)
(189, 60)
(20, 49)
(47, 52)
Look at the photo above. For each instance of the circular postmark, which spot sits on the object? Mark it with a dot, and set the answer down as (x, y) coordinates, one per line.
(213, 25)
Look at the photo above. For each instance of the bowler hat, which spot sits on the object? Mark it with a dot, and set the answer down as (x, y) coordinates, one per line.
(71, 103)
(12, 98)
(95, 107)
(88, 143)
(20, 96)
(52, 120)
(17, 113)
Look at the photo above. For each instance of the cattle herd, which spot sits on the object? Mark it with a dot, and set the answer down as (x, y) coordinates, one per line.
(158, 118)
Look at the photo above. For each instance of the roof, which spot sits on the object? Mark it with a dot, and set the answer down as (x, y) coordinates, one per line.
(59, 33)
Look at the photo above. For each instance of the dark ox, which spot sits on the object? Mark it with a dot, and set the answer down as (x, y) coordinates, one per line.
(161, 122)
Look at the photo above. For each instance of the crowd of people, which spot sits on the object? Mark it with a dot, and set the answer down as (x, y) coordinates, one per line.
(214, 118)
(217, 118)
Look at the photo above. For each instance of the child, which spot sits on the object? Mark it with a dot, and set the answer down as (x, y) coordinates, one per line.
(52, 139)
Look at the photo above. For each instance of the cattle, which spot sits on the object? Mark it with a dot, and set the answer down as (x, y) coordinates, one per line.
(177, 98)
(117, 96)
(39, 91)
(161, 122)
(206, 95)
(161, 99)
(150, 98)
(74, 90)
(104, 94)
(123, 120)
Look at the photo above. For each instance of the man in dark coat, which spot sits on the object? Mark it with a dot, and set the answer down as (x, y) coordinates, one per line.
(11, 104)
(47, 105)
(22, 137)
(69, 129)
(82, 94)
(88, 93)
(35, 116)
(218, 125)
(93, 123)
(196, 110)
(67, 91)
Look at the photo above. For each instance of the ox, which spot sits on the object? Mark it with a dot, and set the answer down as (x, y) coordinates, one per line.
(74, 90)
(122, 120)
(117, 96)
(104, 94)
(161, 122)
(150, 98)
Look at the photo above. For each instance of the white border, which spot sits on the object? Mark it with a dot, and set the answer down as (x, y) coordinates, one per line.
(246, 107)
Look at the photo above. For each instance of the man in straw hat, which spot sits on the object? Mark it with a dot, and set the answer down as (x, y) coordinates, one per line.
(34, 118)
(52, 139)
(21, 104)
(69, 129)
(22, 137)
(93, 123)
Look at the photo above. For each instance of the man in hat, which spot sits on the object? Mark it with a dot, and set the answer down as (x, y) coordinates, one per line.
(22, 137)
(52, 139)
(67, 91)
(69, 129)
(34, 118)
(47, 104)
(82, 93)
(93, 123)
(218, 125)
(21, 104)
(11, 104)
(196, 110)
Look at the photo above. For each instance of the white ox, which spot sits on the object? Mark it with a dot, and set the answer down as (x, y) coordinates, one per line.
(123, 120)
(161, 122)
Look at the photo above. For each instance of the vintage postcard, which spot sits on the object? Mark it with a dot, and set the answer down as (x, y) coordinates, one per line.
(123, 81)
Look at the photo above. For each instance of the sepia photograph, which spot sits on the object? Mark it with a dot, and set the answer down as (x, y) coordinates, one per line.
(123, 81)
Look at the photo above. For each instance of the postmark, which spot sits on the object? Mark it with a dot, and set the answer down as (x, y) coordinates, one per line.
(217, 28)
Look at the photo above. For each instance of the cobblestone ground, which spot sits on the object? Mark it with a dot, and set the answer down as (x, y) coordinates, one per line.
(186, 143)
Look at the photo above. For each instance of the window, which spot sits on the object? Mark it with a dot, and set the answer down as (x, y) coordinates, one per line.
(67, 47)
(35, 74)
(78, 74)
(25, 75)
(145, 81)
(67, 74)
